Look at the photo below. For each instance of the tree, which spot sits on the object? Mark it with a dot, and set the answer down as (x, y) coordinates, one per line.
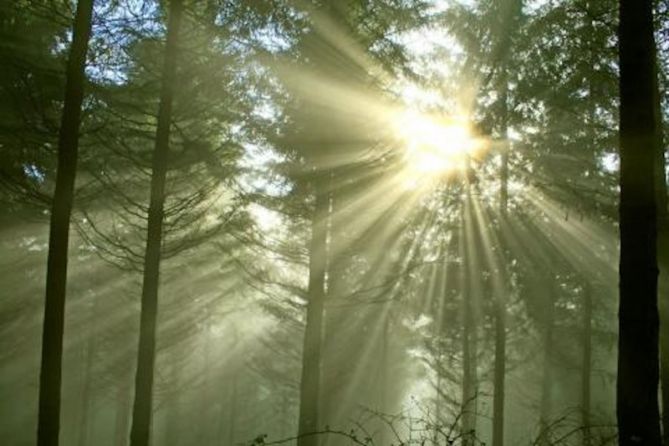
(638, 365)
(56, 280)
(141, 416)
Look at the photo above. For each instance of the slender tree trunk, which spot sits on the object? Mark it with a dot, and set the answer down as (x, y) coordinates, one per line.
(311, 355)
(638, 343)
(586, 359)
(141, 415)
(663, 260)
(586, 363)
(469, 345)
(500, 295)
(441, 299)
(48, 424)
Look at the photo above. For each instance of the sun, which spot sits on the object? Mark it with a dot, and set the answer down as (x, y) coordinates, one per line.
(435, 146)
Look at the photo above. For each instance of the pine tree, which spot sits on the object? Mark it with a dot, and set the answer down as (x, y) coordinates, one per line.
(146, 356)
(56, 281)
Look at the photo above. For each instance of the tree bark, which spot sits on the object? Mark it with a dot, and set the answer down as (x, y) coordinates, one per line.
(48, 424)
(638, 345)
(311, 354)
(141, 416)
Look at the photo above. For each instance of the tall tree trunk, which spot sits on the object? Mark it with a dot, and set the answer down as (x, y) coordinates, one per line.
(586, 359)
(48, 424)
(440, 295)
(311, 354)
(638, 344)
(141, 415)
(500, 295)
(586, 363)
(469, 341)
(663, 260)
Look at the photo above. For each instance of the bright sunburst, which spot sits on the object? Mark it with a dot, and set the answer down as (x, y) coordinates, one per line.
(435, 146)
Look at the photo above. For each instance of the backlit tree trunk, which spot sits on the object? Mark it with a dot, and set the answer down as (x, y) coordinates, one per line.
(313, 336)
(501, 295)
(48, 424)
(638, 344)
(141, 415)
(469, 337)
(662, 260)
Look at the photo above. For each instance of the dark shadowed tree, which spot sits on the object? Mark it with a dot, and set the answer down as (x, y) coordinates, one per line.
(638, 365)
(48, 426)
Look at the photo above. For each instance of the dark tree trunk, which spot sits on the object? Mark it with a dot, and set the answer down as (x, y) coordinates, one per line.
(311, 354)
(663, 288)
(586, 363)
(48, 424)
(638, 344)
(141, 415)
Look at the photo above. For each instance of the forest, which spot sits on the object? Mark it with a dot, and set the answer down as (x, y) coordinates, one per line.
(334, 222)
